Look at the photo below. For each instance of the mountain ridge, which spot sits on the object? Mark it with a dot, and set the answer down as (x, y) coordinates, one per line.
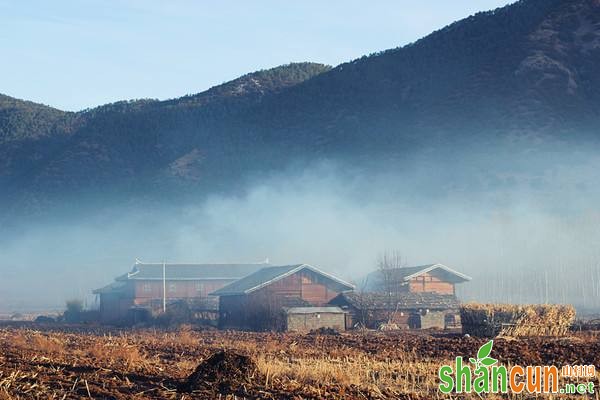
(520, 75)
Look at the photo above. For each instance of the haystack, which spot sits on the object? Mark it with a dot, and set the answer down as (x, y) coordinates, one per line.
(490, 320)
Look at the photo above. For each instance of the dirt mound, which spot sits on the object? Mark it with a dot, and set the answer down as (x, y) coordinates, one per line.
(225, 372)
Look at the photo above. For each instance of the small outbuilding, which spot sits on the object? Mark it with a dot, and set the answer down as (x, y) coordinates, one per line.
(405, 310)
(306, 319)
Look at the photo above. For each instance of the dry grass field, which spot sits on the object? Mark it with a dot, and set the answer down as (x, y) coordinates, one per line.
(73, 363)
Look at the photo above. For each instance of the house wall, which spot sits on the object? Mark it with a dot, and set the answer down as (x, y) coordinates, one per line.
(452, 319)
(114, 305)
(407, 318)
(308, 322)
(304, 284)
(153, 289)
(232, 312)
(433, 319)
(372, 319)
(262, 309)
(430, 283)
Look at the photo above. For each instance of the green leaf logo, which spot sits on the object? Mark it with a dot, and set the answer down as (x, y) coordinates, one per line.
(483, 358)
(485, 350)
(489, 361)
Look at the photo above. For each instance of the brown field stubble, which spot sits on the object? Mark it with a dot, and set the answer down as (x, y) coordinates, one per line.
(148, 364)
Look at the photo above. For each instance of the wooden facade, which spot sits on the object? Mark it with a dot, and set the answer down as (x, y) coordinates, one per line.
(305, 284)
(147, 286)
(431, 278)
(429, 283)
(148, 290)
(115, 302)
(257, 302)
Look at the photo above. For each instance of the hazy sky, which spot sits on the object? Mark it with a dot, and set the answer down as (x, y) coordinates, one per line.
(74, 54)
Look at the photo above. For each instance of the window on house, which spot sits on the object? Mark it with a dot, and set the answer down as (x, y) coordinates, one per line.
(147, 287)
(199, 287)
(172, 287)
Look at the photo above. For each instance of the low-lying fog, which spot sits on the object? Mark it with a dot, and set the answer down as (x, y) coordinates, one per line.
(523, 236)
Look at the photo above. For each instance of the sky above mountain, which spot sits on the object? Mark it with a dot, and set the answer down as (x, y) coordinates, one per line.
(73, 55)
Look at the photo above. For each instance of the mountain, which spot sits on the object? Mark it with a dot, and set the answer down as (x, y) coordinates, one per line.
(528, 67)
(125, 146)
(520, 76)
(21, 120)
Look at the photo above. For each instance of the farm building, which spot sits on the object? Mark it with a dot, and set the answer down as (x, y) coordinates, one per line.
(431, 278)
(151, 287)
(406, 310)
(258, 301)
(306, 319)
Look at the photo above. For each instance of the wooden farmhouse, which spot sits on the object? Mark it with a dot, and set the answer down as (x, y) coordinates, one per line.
(431, 278)
(156, 287)
(268, 298)
(404, 310)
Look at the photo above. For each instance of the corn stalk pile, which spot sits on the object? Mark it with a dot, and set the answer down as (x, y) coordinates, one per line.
(491, 320)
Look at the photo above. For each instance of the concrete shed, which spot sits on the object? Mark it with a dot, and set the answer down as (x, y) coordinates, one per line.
(407, 310)
(433, 319)
(304, 319)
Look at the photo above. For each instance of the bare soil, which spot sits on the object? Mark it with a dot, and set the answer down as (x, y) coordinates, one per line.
(75, 362)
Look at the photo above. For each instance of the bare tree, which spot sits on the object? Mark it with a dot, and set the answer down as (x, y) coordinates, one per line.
(388, 265)
(363, 310)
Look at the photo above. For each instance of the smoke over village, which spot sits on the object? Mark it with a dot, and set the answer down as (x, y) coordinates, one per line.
(319, 200)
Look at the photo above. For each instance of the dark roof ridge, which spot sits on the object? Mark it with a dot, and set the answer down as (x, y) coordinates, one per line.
(268, 275)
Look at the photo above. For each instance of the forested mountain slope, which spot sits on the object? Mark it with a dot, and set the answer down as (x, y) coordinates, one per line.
(522, 76)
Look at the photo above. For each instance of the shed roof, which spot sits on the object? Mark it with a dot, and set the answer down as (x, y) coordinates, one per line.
(314, 310)
(268, 275)
(154, 271)
(400, 301)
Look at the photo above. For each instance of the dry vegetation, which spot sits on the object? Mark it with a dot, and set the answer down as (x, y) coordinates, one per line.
(490, 320)
(102, 364)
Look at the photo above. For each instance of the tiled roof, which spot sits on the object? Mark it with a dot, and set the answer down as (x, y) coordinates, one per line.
(313, 310)
(154, 271)
(404, 274)
(400, 301)
(113, 287)
(269, 275)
